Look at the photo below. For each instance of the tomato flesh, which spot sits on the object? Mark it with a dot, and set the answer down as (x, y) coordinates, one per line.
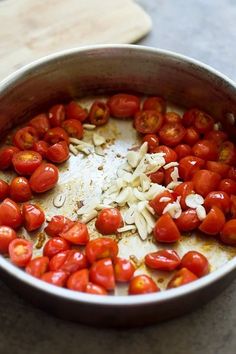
(56, 115)
(148, 122)
(165, 260)
(41, 124)
(181, 277)
(20, 252)
(99, 113)
(26, 162)
(102, 247)
(152, 141)
(155, 103)
(25, 138)
(33, 217)
(74, 128)
(142, 284)
(75, 111)
(58, 224)
(76, 234)
(172, 134)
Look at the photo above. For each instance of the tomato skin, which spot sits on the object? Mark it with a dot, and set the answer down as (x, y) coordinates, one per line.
(20, 190)
(196, 262)
(168, 175)
(228, 234)
(44, 178)
(181, 277)
(205, 181)
(58, 224)
(58, 152)
(76, 234)
(183, 190)
(218, 167)
(217, 136)
(25, 138)
(227, 153)
(123, 105)
(10, 214)
(20, 252)
(172, 134)
(157, 177)
(170, 154)
(183, 150)
(95, 289)
(159, 205)
(55, 135)
(233, 206)
(142, 284)
(4, 189)
(165, 230)
(54, 246)
(102, 273)
(25, 162)
(173, 117)
(189, 117)
(37, 266)
(124, 270)
(58, 278)
(188, 221)
(228, 186)
(69, 261)
(99, 113)
(219, 199)
(102, 247)
(165, 260)
(214, 222)
(6, 154)
(56, 115)
(203, 122)
(148, 122)
(74, 128)
(191, 136)
(108, 221)
(41, 124)
(231, 173)
(7, 234)
(78, 281)
(41, 147)
(75, 111)
(206, 150)
(188, 166)
(152, 141)
(155, 103)
(33, 217)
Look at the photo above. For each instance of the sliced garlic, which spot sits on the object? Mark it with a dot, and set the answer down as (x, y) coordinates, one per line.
(89, 126)
(133, 158)
(194, 200)
(165, 199)
(73, 150)
(90, 216)
(98, 139)
(172, 185)
(138, 195)
(99, 151)
(126, 228)
(175, 174)
(59, 200)
(76, 141)
(141, 225)
(145, 182)
(83, 149)
(123, 195)
(171, 164)
(150, 209)
(174, 209)
(201, 212)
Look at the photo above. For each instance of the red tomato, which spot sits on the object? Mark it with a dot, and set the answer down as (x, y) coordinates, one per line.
(55, 135)
(173, 117)
(142, 284)
(161, 200)
(157, 177)
(77, 234)
(203, 122)
(228, 186)
(95, 289)
(227, 153)
(170, 154)
(6, 154)
(41, 147)
(188, 166)
(7, 234)
(20, 190)
(148, 122)
(155, 103)
(108, 221)
(10, 214)
(58, 278)
(168, 175)
(25, 138)
(214, 222)
(233, 206)
(166, 260)
(4, 189)
(20, 252)
(25, 162)
(78, 281)
(74, 128)
(124, 270)
(206, 150)
(172, 134)
(196, 263)
(58, 224)
(75, 111)
(191, 136)
(165, 230)
(54, 246)
(219, 199)
(218, 167)
(217, 136)
(37, 266)
(33, 217)
(102, 273)
(152, 141)
(182, 150)
(189, 117)
(123, 105)
(102, 247)
(58, 152)
(228, 234)
(56, 115)
(183, 190)
(99, 113)
(69, 261)
(44, 178)
(182, 277)
(188, 221)
(231, 173)
(205, 181)
(41, 124)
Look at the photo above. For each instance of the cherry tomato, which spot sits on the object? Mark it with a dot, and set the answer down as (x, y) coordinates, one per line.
(182, 150)
(181, 277)
(6, 154)
(69, 261)
(123, 105)
(191, 136)
(75, 111)
(205, 181)
(25, 162)
(58, 224)
(55, 135)
(10, 214)
(161, 200)
(4, 189)
(20, 190)
(214, 222)
(189, 117)
(78, 281)
(44, 178)
(41, 147)
(168, 175)
(219, 199)
(203, 122)
(157, 177)
(102, 273)
(206, 150)
(108, 221)
(188, 221)
(95, 289)
(76, 234)
(152, 141)
(148, 122)
(124, 270)
(7, 234)
(155, 103)
(228, 234)
(37, 266)
(170, 154)
(183, 190)
(218, 167)
(173, 117)
(172, 134)
(58, 278)
(99, 113)
(227, 153)
(233, 206)
(41, 124)
(231, 173)
(102, 247)
(20, 252)
(217, 136)
(228, 186)
(25, 138)
(74, 128)
(54, 246)
(196, 263)
(56, 115)
(33, 217)
(165, 230)
(58, 152)
(142, 284)
(166, 260)
(188, 166)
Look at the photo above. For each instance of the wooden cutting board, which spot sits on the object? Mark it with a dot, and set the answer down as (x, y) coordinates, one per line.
(30, 29)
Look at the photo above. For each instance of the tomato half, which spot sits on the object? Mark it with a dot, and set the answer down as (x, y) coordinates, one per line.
(6, 154)
(219, 199)
(152, 141)
(188, 166)
(205, 181)
(188, 221)
(196, 262)
(172, 134)
(37, 266)
(33, 217)
(58, 224)
(25, 162)
(166, 260)
(10, 214)
(191, 136)
(189, 117)
(108, 221)
(161, 200)
(170, 154)
(69, 261)
(102, 273)
(20, 252)
(203, 122)
(182, 277)
(172, 117)
(76, 234)
(155, 103)
(165, 230)
(102, 247)
(58, 278)
(58, 152)
(25, 138)
(157, 177)
(218, 167)
(214, 222)
(124, 270)
(55, 135)
(75, 111)
(123, 105)
(148, 122)
(142, 284)
(56, 115)
(228, 234)
(231, 173)
(183, 190)
(183, 150)
(99, 113)
(78, 281)
(44, 178)
(217, 136)
(54, 246)
(95, 289)
(228, 186)
(206, 150)
(41, 124)
(41, 147)
(227, 153)
(4, 189)
(7, 234)
(74, 128)
(20, 190)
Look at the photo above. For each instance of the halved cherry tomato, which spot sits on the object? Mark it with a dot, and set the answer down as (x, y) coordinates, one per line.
(214, 222)
(58, 152)
(10, 214)
(188, 166)
(74, 128)
(166, 260)
(102, 247)
(170, 154)
(25, 162)
(44, 178)
(219, 199)
(188, 221)
(6, 154)
(70, 261)
(7, 234)
(172, 117)
(20, 251)
(218, 167)
(227, 153)
(41, 147)
(206, 150)
(37, 266)
(183, 150)
(228, 234)
(123, 105)
(148, 122)
(182, 277)
(108, 221)
(124, 270)
(54, 135)
(155, 103)
(165, 230)
(157, 177)
(152, 141)
(183, 190)
(33, 216)
(4, 189)
(228, 186)
(102, 273)
(99, 113)
(172, 134)
(203, 122)
(41, 124)
(75, 111)
(95, 289)
(78, 281)
(56, 115)
(191, 136)
(58, 278)
(196, 263)
(231, 173)
(54, 246)
(205, 181)
(76, 234)
(169, 175)
(189, 117)
(20, 190)
(233, 206)
(142, 284)
(58, 224)
(25, 138)
(217, 136)
(161, 200)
